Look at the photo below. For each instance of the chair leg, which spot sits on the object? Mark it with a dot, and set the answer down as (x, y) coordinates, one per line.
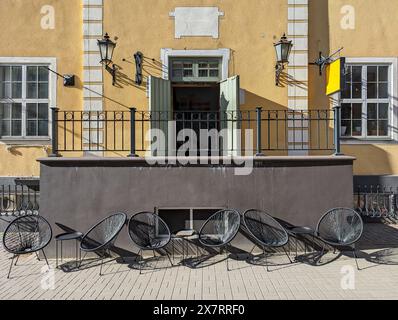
(226, 251)
(45, 257)
(12, 262)
(266, 263)
(37, 256)
(82, 258)
(140, 261)
(355, 256)
(102, 262)
(168, 256)
(322, 252)
(287, 255)
(16, 261)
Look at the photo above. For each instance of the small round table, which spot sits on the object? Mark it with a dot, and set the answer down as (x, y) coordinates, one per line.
(303, 231)
(67, 237)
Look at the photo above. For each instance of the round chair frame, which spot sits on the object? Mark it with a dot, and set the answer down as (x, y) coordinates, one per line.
(18, 253)
(109, 241)
(226, 242)
(157, 217)
(335, 243)
(142, 248)
(274, 220)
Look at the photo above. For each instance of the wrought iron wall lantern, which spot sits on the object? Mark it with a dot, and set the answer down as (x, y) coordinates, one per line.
(282, 49)
(106, 47)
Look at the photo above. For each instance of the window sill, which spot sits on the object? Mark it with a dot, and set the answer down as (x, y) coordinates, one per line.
(353, 141)
(26, 141)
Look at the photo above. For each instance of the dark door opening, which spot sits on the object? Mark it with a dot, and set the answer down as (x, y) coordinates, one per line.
(196, 107)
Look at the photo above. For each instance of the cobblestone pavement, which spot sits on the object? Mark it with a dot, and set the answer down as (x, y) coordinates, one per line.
(378, 278)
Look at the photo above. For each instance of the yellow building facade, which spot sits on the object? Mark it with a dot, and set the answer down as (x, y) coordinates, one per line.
(213, 39)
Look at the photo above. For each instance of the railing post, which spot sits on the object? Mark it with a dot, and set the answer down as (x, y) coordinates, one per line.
(337, 130)
(132, 133)
(54, 133)
(259, 132)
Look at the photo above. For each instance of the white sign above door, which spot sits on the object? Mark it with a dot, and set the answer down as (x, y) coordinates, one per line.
(196, 21)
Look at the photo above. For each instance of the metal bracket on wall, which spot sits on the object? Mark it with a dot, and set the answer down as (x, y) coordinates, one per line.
(138, 57)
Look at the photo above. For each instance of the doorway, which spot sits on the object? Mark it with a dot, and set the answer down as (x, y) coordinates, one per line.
(196, 107)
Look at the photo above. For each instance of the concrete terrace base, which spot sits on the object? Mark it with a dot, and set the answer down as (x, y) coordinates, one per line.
(78, 192)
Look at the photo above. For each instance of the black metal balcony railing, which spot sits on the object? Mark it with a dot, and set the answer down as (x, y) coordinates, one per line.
(376, 202)
(126, 131)
(18, 200)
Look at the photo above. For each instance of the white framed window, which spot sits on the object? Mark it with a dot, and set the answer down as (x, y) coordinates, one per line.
(195, 69)
(27, 92)
(367, 99)
(222, 55)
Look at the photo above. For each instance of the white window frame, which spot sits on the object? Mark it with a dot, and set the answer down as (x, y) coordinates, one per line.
(393, 90)
(51, 62)
(166, 54)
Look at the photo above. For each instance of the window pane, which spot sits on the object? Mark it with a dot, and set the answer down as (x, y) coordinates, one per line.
(43, 128)
(5, 73)
(6, 110)
(383, 128)
(356, 128)
(188, 73)
(31, 74)
(203, 73)
(372, 128)
(43, 74)
(383, 90)
(372, 111)
(31, 128)
(16, 73)
(348, 74)
(17, 90)
(346, 94)
(346, 128)
(31, 111)
(177, 64)
(356, 74)
(6, 128)
(5, 90)
(383, 73)
(357, 111)
(16, 128)
(43, 90)
(346, 111)
(372, 74)
(16, 112)
(177, 73)
(357, 91)
(383, 110)
(213, 73)
(32, 90)
(372, 91)
(43, 111)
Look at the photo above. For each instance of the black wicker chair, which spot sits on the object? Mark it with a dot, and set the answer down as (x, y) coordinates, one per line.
(220, 229)
(149, 233)
(265, 231)
(26, 235)
(340, 227)
(101, 237)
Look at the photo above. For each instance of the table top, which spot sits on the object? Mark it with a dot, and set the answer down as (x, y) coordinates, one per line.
(185, 234)
(303, 230)
(69, 236)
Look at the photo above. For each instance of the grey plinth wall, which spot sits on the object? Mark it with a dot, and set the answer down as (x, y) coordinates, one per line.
(80, 192)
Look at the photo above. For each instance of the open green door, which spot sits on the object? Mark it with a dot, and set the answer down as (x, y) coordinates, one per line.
(229, 107)
(160, 106)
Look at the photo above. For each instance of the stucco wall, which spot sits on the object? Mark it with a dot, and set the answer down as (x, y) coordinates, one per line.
(248, 28)
(23, 36)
